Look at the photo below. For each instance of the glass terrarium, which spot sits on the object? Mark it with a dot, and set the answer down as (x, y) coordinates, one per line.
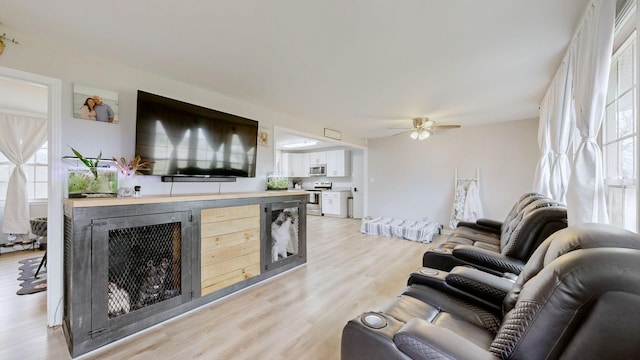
(277, 181)
(92, 182)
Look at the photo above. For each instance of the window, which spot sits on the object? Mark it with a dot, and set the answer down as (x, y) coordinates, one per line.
(619, 137)
(36, 169)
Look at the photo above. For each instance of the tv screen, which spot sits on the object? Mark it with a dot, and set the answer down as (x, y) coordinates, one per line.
(191, 140)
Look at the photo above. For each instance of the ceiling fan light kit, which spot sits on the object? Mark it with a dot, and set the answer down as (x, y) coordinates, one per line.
(420, 134)
(422, 128)
(424, 134)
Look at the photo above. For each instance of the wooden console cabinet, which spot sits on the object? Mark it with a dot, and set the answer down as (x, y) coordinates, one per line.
(130, 263)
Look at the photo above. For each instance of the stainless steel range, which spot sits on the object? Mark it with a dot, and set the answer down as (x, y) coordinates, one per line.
(314, 203)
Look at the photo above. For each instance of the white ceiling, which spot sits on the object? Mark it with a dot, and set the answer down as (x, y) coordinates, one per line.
(358, 66)
(284, 136)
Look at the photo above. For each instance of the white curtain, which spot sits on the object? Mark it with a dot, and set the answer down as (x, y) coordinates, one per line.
(586, 201)
(561, 128)
(543, 168)
(20, 137)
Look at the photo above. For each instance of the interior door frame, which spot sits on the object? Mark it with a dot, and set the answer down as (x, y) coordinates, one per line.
(56, 186)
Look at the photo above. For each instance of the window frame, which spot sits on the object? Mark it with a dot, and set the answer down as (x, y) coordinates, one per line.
(616, 186)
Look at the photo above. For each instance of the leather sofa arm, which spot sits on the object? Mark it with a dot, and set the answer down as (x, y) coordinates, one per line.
(429, 277)
(488, 259)
(490, 223)
(477, 226)
(479, 283)
(439, 280)
(418, 338)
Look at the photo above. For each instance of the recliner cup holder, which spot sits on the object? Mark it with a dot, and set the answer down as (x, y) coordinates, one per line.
(373, 320)
(428, 271)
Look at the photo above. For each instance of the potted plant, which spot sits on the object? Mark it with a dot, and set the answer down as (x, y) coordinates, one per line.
(129, 169)
(94, 181)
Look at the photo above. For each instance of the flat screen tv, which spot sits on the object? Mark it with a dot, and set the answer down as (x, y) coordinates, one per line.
(183, 139)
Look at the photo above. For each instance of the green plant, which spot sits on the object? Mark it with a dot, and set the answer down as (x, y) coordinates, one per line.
(275, 182)
(133, 166)
(77, 183)
(91, 164)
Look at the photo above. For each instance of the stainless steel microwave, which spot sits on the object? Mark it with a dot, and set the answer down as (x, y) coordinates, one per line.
(318, 170)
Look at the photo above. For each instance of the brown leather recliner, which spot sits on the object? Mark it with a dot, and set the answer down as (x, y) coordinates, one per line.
(577, 297)
(533, 223)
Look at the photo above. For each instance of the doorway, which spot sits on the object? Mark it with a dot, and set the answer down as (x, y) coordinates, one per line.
(354, 180)
(20, 102)
(55, 181)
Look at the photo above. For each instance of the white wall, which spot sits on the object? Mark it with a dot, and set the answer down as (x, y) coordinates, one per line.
(53, 59)
(414, 179)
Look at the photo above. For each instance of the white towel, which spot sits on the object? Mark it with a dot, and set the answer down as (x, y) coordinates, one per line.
(472, 204)
(457, 210)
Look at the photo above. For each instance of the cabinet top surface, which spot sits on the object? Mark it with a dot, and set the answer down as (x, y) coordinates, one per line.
(156, 199)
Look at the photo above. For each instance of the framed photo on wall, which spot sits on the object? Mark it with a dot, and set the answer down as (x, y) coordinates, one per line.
(263, 137)
(95, 104)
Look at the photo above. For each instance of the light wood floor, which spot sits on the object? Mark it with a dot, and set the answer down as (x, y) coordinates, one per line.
(296, 315)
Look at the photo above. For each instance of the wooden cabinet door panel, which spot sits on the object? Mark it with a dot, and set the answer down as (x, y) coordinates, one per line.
(230, 246)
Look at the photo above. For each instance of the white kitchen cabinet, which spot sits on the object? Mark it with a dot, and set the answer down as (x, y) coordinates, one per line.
(284, 163)
(317, 158)
(305, 164)
(295, 164)
(337, 163)
(334, 203)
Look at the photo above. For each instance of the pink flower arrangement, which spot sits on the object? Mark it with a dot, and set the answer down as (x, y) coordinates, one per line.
(133, 166)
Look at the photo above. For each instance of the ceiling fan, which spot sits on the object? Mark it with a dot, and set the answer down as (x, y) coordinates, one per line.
(423, 128)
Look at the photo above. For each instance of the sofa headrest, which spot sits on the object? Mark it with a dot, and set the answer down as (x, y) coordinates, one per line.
(588, 236)
(529, 228)
(582, 303)
(583, 236)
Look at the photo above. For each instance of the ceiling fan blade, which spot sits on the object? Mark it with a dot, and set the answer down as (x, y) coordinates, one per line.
(402, 128)
(403, 132)
(444, 127)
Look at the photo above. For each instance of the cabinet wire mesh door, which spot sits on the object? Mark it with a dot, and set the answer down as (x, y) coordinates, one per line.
(144, 266)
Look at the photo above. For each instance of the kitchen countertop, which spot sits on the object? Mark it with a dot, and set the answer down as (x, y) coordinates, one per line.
(339, 189)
